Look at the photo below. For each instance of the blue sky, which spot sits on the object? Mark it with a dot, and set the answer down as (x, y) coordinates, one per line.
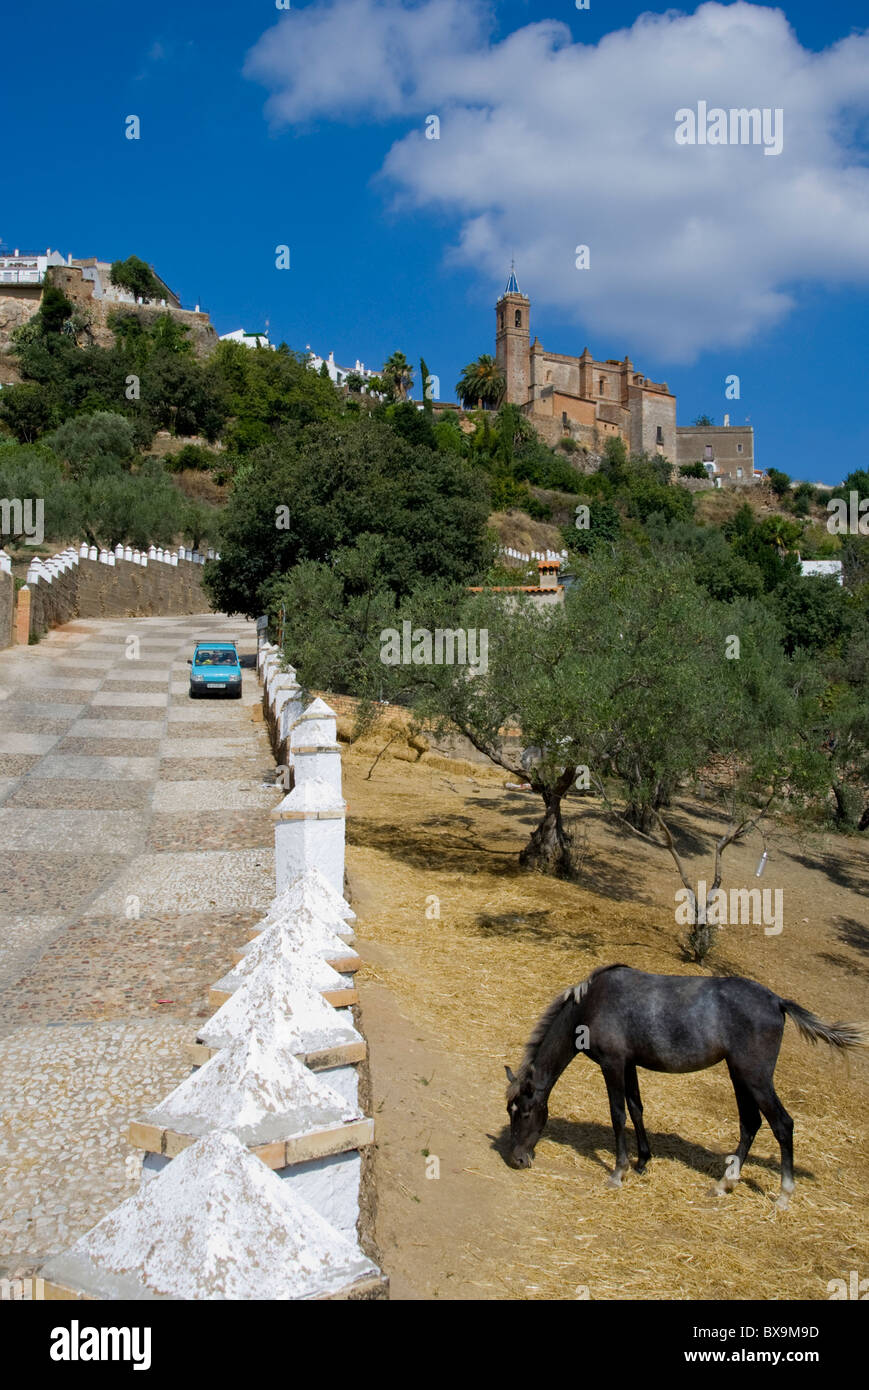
(261, 127)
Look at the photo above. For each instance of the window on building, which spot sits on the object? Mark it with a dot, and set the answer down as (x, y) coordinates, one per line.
(739, 448)
(602, 386)
(564, 419)
(659, 435)
(707, 453)
(500, 318)
(518, 318)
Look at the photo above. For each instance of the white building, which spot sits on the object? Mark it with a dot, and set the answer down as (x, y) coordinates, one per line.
(828, 569)
(251, 340)
(27, 267)
(337, 374)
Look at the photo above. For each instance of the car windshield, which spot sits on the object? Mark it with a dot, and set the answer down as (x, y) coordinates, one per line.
(207, 656)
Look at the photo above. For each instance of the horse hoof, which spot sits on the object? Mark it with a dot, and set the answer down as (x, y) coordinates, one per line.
(614, 1180)
(783, 1201)
(720, 1189)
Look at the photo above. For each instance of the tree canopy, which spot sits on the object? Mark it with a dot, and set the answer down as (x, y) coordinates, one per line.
(316, 490)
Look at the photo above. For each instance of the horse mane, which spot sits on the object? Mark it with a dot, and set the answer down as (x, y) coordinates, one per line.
(545, 1022)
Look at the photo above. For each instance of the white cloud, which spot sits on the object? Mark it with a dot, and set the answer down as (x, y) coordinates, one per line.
(547, 143)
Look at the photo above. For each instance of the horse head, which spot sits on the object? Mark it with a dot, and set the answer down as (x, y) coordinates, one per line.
(528, 1110)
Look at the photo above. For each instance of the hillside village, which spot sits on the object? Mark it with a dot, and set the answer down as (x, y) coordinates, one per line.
(575, 399)
(575, 407)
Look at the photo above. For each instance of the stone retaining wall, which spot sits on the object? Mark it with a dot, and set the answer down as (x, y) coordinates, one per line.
(85, 583)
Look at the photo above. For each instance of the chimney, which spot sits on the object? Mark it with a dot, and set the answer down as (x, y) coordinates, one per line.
(547, 573)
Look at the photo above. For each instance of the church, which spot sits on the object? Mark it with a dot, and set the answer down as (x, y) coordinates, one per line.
(579, 397)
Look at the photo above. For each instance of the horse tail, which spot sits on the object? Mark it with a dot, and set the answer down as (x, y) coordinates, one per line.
(813, 1029)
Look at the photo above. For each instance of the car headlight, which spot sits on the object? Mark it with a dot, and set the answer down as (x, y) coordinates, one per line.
(196, 677)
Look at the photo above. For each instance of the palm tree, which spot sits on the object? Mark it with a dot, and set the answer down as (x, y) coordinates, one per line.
(397, 375)
(779, 532)
(482, 383)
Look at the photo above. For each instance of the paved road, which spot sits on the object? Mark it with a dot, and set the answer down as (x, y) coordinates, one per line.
(135, 846)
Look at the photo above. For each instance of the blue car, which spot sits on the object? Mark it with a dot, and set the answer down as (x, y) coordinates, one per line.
(215, 667)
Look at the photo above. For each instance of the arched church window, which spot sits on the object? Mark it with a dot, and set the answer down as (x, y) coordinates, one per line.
(518, 318)
(602, 385)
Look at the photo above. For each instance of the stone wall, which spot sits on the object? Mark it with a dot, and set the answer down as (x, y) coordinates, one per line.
(73, 585)
(18, 304)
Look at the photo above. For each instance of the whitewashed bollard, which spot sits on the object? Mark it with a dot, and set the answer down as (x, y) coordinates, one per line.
(285, 696)
(263, 653)
(314, 748)
(309, 833)
(216, 1224)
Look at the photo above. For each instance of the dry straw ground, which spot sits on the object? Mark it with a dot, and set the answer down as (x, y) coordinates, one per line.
(448, 1000)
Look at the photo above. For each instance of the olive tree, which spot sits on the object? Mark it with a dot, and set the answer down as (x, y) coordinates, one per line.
(635, 685)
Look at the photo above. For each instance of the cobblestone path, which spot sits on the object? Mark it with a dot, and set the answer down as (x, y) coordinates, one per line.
(135, 846)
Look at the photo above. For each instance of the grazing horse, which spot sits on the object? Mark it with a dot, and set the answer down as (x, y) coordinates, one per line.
(624, 1018)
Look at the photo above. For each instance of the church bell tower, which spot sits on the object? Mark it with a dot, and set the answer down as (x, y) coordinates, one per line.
(512, 341)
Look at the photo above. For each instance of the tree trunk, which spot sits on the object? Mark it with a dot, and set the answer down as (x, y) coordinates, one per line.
(702, 934)
(846, 817)
(640, 816)
(548, 850)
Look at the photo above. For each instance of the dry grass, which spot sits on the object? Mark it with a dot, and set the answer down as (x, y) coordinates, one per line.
(199, 485)
(474, 980)
(519, 531)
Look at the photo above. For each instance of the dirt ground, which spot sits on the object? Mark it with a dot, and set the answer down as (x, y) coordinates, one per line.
(448, 999)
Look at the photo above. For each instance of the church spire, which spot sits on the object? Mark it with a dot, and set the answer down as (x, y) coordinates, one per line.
(512, 283)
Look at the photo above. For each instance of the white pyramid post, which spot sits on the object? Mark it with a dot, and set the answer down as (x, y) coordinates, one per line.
(314, 748)
(309, 834)
(216, 1224)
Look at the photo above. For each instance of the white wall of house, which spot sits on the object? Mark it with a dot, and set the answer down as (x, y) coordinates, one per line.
(337, 373)
(251, 340)
(824, 568)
